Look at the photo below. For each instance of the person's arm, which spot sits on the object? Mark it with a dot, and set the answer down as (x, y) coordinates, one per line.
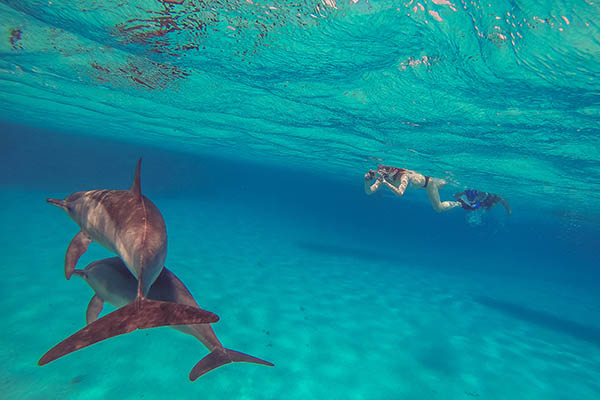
(466, 206)
(505, 204)
(370, 189)
(457, 195)
(399, 191)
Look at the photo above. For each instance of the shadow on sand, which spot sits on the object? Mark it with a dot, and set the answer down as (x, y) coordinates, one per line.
(588, 333)
(343, 251)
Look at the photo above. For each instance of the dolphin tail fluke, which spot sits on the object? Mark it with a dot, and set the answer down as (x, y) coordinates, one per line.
(142, 313)
(221, 356)
(77, 247)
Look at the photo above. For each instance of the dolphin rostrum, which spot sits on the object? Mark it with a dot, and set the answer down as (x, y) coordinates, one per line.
(128, 224)
(114, 284)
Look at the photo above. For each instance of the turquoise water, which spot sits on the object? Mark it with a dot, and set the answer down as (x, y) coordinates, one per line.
(256, 122)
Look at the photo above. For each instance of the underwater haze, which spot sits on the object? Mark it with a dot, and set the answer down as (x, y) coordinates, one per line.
(256, 122)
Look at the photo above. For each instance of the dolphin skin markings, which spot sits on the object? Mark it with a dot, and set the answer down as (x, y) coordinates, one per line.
(114, 284)
(128, 224)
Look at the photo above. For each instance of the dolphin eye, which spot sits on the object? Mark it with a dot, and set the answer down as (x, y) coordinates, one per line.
(72, 200)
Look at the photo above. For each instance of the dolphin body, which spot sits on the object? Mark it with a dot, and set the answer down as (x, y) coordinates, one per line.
(114, 284)
(130, 225)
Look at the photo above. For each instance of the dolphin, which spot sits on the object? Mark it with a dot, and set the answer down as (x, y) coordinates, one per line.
(114, 284)
(131, 226)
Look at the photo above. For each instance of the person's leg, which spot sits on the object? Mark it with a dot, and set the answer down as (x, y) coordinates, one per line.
(434, 196)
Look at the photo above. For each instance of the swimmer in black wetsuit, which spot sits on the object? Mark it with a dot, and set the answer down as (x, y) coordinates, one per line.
(398, 179)
(480, 200)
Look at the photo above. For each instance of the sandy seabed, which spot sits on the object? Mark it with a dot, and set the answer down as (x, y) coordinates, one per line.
(337, 321)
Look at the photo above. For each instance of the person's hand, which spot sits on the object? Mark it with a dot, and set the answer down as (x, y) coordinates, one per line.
(370, 175)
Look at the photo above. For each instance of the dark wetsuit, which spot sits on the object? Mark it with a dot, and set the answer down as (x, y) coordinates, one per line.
(475, 200)
(490, 201)
(481, 200)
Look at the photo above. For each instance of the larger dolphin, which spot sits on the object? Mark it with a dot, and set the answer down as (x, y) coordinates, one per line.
(128, 224)
(114, 284)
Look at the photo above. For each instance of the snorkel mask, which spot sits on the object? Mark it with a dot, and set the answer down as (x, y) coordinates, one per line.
(472, 197)
(387, 172)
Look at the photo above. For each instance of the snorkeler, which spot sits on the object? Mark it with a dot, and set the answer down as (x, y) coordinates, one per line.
(397, 179)
(480, 200)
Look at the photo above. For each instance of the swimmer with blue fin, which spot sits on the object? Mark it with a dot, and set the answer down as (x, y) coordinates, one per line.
(398, 179)
(478, 200)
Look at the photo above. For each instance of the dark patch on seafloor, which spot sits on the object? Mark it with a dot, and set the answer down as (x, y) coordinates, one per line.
(586, 332)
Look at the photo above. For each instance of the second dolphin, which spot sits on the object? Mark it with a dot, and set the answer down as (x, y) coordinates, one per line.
(114, 284)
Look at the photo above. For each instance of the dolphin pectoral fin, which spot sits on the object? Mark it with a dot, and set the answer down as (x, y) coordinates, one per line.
(219, 357)
(142, 313)
(77, 247)
(94, 309)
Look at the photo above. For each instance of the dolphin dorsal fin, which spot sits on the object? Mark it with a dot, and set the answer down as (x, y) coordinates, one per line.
(136, 188)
